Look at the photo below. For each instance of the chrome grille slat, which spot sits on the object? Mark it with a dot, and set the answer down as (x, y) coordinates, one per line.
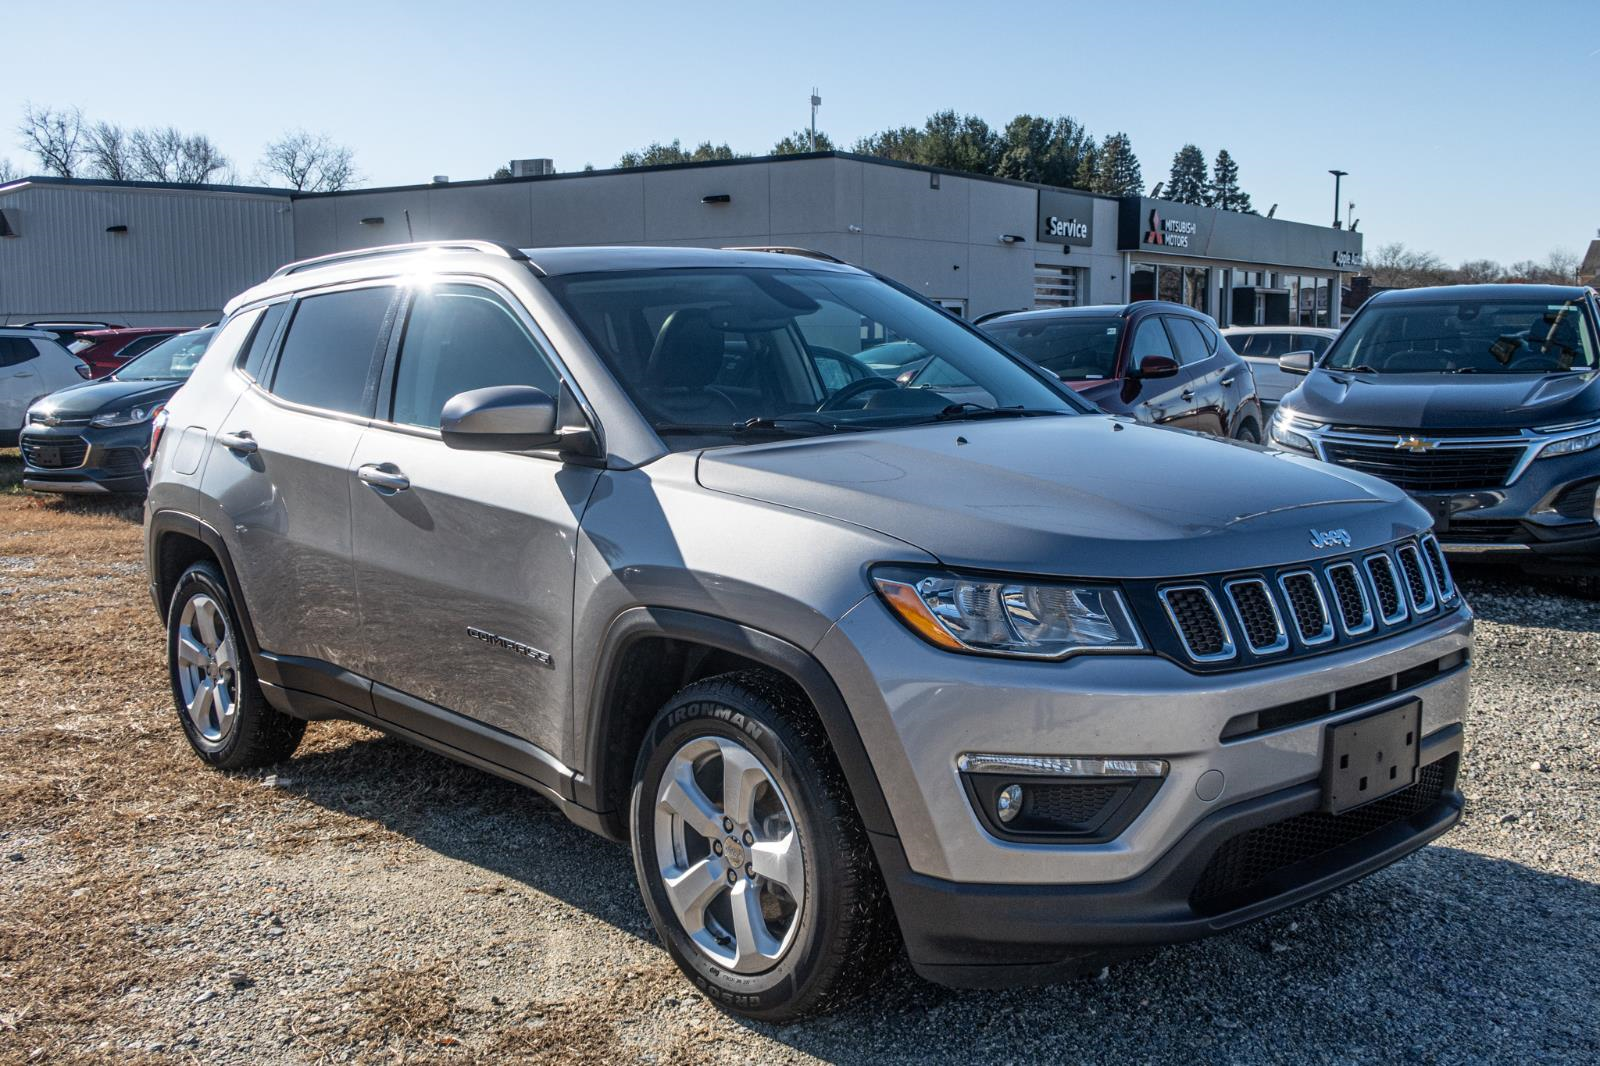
(1442, 581)
(1302, 594)
(1386, 585)
(1343, 592)
(1417, 581)
(1186, 607)
(1249, 597)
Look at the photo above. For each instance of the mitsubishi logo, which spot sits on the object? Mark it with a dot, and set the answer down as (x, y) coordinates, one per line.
(1414, 444)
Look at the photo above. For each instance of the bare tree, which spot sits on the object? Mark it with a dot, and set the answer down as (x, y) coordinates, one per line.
(1479, 272)
(108, 152)
(1394, 266)
(166, 154)
(55, 137)
(310, 162)
(8, 172)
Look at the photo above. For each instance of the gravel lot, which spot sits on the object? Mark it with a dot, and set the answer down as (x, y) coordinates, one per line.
(369, 902)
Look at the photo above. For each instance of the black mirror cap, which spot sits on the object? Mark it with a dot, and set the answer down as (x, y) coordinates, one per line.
(1154, 366)
(502, 418)
(1299, 363)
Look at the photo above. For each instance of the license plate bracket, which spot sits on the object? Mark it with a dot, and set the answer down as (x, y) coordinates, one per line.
(1371, 757)
(47, 454)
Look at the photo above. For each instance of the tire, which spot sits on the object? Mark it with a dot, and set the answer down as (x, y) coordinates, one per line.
(232, 728)
(1247, 433)
(817, 945)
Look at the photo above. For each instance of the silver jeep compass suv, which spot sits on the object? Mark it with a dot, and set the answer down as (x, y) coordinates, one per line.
(840, 658)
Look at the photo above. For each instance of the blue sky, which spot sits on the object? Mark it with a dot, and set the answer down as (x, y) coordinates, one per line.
(1468, 128)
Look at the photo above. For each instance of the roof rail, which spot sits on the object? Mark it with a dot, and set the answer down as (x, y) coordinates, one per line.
(506, 251)
(784, 249)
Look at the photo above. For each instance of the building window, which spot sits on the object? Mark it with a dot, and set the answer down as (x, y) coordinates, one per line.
(1169, 284)
(1142, 282)
(1055, 286)
(1197, 288)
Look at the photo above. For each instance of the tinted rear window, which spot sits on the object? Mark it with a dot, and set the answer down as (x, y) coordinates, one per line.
(261, 341)
(328, 354)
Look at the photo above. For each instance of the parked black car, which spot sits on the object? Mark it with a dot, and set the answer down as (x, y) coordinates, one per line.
(1160, 362)
(93, 437)
(1481, 401)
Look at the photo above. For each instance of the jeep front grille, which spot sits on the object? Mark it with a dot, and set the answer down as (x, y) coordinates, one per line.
(1199, 622)
(1228, 621)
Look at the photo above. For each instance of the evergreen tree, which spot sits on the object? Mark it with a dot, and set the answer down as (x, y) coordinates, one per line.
(1116, 171)
(1025, 146)
(959, 142)
(1088, 168)
(1186, 183)
(658, 153)
(903, 143)
(1224, 191)
(799, 142)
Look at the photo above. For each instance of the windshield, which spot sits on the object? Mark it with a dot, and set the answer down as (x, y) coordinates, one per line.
(713, 355)
(1073, 349)
(1486, 336)
(171, 360)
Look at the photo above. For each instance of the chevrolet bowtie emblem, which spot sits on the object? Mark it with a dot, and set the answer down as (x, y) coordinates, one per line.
(1414, 444)
(50, 420)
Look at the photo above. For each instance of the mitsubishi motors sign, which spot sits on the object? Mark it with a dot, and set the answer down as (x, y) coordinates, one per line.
(1150, 225)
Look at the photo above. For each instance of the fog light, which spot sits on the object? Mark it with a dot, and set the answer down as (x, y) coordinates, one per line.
(1008, 804)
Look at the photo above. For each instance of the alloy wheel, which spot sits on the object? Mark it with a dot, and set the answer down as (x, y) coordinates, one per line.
(207, 665)
(728, 853)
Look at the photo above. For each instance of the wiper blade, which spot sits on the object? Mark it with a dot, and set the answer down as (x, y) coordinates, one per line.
(779, 426)
(971, 412)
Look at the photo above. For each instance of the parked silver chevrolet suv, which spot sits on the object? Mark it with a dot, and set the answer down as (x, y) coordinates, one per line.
(840, 657)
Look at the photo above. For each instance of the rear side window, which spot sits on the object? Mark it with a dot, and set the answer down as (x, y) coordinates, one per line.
(1191, 342)
(16, 350)
(256, 354)
(459, 338)
(327, 356)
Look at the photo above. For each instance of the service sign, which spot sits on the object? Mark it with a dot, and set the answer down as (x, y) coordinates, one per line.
(1065, 218)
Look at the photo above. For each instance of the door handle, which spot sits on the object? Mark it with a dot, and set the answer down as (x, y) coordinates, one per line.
(1227, 381)
(1187, 394)
(23, 374)
(241, 442)
(387, 481)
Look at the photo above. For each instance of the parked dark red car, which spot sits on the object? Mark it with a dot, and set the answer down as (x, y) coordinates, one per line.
(110, 348)
(1162, 363)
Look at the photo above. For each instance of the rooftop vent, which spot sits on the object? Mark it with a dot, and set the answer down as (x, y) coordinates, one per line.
(532, 168)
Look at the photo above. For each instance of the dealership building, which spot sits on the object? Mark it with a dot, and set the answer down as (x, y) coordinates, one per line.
(148, 253)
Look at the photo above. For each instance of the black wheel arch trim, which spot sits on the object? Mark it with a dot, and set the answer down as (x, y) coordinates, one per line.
(166, 522)
(639, 623)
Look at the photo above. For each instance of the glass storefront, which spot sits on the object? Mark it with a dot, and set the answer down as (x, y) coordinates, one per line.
(1177, 284)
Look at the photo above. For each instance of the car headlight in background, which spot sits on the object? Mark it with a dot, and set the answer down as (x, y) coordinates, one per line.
(128, 416)
(1002, 616)
(1568, 445)
(1280, 430)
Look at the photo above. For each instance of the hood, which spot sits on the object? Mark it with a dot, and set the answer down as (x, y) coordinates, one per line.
(1447, 401)
(92, 397)
(1082, 496)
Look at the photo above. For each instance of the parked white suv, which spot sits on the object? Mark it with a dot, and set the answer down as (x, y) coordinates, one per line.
(33, 364)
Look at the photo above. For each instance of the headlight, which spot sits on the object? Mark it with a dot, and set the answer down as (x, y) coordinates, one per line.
(1279, 432)
(1000, 616)
(1570, 445)
(129, 416)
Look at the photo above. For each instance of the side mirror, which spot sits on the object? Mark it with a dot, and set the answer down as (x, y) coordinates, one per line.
(1154, 366)
(1296, 363)
(504, 418)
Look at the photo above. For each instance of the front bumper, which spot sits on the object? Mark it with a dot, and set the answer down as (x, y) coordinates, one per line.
(988, 935)
(84, 459)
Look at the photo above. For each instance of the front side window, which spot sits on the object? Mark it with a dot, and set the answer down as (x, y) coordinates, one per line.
(1470, 336)
(328, 352)
(1151, 339)
(174, 359)
(723, 352)
(458, 338)
(255, 356)
(1073, 349)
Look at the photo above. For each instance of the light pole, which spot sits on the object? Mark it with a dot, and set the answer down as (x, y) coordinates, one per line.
(1337, 174)
(816, 102)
